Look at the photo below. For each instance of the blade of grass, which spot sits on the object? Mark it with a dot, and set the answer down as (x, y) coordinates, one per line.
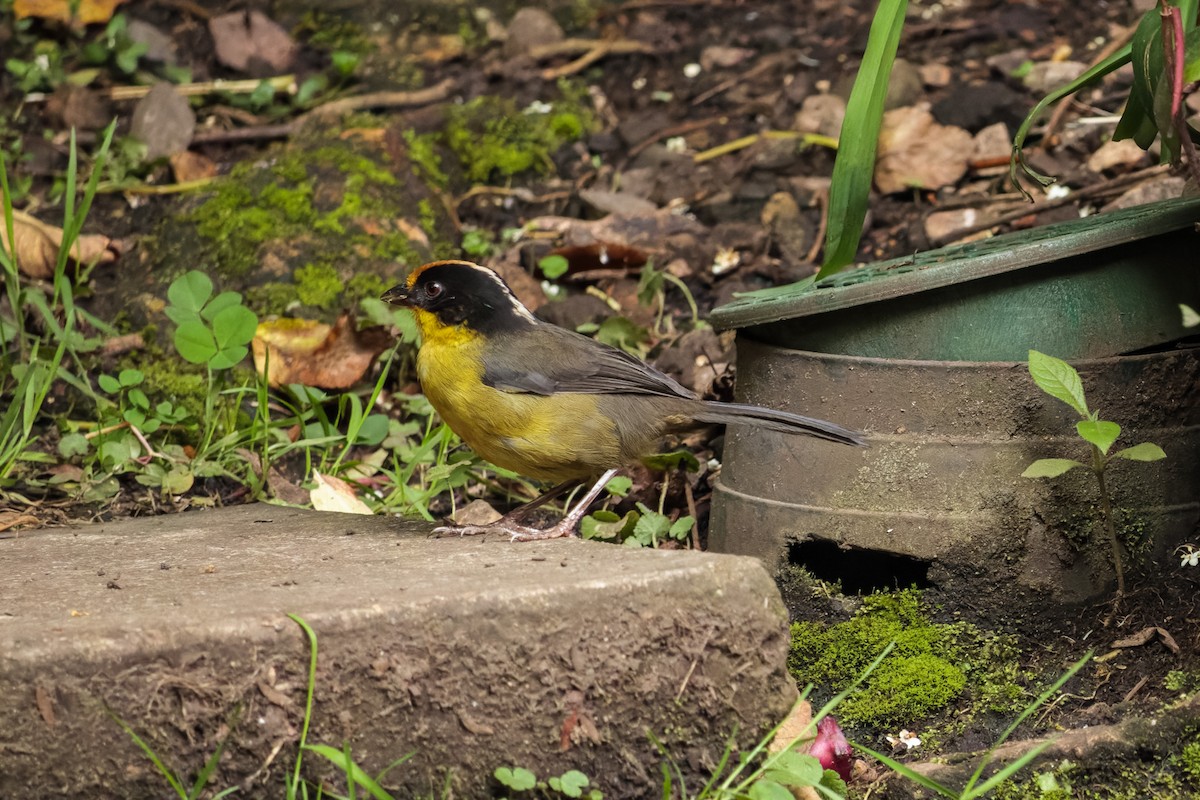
(854, 168)
(311, 635)
(176, 784)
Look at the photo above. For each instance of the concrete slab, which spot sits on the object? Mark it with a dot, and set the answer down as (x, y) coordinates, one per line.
(470, 653)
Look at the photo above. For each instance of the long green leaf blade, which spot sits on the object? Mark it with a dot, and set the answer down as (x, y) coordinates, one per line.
(854, 168)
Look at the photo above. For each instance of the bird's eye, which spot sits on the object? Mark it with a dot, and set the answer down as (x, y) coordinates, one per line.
(434, 289)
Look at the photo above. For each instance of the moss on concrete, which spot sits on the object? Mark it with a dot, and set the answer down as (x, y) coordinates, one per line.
(931, 666)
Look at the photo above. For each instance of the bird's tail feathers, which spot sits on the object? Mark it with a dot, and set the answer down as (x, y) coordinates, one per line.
(774, 420)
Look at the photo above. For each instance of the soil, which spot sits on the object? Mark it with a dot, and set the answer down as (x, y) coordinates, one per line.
(653, 112)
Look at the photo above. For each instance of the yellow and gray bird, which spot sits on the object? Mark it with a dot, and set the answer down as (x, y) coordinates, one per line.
(547, 402)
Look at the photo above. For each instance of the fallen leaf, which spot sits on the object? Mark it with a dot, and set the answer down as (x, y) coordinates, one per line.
(85, 12)
(334, 494)
(916, 151)
(188, 166)
(315, 354)
(796, 724)
(240, 39)
(45, 705)
(36, 246)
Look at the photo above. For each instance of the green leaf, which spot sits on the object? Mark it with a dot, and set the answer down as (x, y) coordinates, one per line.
(666, 462)
(190, 291)
(1146, 451)
(554, 267)
(195, 342)
(518, 779)
(764, 789)
(72, 444)
(351, 769)
(1099, 432)
(109, 384)
(1049, 467)
(569, 784)
(138, 398)
(651, 527)
(854, 168)
(178, 480)
(1137, 122)
(607, 525)
(1058, 379)
(795, 769)
(219, 303)
(373, 430)
(681, 528)
(233, 326)
(619, 485)
(130, 377)
(1190, 318)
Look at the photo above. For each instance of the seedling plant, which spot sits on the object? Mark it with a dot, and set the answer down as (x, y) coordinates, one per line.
(1060, 380)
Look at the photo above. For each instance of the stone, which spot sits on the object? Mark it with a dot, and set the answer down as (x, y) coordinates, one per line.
(159, 46)
(472, 653)
(1046, 76)
(163, 121)
(821, 113)
(531, 27)
(1124, 154)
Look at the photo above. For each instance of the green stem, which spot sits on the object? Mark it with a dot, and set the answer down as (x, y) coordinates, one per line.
(1099, 463)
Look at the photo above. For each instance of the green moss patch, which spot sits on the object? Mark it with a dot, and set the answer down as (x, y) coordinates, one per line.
(931, 666)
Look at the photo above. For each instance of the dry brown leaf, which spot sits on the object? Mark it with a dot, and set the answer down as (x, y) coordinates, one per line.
(37, 246)
(797, 723)
(188, 166)
(315, 354)
(88, 12)
(334, 494)
(916, 151)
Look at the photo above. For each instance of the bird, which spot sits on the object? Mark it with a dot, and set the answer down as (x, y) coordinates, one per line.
(547, 402)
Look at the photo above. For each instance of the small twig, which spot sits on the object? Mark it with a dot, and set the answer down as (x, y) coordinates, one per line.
(569, 47)
(597, 51)
(419, 97)
(1137, 687)
(1087, 193)
(675, 130)
(286, 83)
(154, 189)
(122, 344)
(754, 138)
(252, 133)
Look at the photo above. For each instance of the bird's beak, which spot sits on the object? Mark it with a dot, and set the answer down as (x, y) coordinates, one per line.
(397, 295)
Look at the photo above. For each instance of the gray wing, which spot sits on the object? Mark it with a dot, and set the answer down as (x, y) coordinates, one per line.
(547, 360)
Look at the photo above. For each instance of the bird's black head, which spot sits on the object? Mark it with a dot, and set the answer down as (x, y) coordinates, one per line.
(462, 293)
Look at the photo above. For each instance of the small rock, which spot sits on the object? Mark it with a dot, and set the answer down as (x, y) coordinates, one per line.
(617, 202)
(935, 75)
(974, 106)
(1005, 64)
(1123, 153)
(718, 57)
(943, 226)
(915, 151)
(529, 28)
(993, 143)
(1167, 187)
(163, 121)
(79, 107)
(821, 113)
(905, 86)
(159, 46)
(246, 41)
(781, 217)
(476, 512)
(1045, 76)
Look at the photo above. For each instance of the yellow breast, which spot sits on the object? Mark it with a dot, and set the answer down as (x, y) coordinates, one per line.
(559, 437)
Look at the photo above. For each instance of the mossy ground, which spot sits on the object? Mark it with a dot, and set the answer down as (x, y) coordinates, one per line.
(933, 669)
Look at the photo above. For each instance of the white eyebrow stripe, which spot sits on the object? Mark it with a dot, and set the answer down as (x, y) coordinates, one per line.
(517, 305)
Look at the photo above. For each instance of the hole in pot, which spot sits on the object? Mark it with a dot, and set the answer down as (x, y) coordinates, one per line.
(860, 571)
